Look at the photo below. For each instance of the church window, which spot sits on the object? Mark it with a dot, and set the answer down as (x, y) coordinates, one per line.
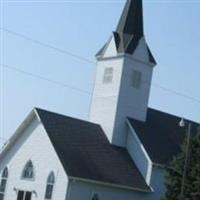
(108, 75)
(4, 178)
(49, 186)
(136, 79)
(24, 195)
(28, 172)
(95, 197)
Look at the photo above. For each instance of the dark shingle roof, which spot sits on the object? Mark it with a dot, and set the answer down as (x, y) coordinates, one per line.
(161, 135)
(131, 21)
(85, 152)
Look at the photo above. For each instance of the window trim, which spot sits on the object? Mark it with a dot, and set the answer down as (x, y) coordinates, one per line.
(22, 174)
(136, 79)
(108, 75)
(6, 179)
(51, 184)
(24, 193)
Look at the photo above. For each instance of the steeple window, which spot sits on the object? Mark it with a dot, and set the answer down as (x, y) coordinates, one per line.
(108, 75)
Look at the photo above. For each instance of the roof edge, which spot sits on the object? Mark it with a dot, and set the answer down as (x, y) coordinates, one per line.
(111, 184)
(37, 110)
(126, 55)
(19, 131)
(173, 115)
(149, 170)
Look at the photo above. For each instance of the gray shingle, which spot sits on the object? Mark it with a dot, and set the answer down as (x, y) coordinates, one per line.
(161, 135)
(85, 152)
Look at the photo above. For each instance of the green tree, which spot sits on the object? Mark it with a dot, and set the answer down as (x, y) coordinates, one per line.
(175, 173)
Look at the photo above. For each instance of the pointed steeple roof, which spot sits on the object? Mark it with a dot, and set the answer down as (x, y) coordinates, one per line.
(131, 21)
(130, 27)
(129, 31)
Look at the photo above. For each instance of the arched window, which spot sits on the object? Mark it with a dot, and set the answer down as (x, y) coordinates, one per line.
(4, 178)
(49, 186)
(95, 197)
(28, 171)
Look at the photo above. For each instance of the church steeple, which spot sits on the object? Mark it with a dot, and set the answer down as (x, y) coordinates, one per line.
(131, 21)
(123, 76)
(129, 33)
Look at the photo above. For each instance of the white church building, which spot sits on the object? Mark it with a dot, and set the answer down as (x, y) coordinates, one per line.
(120, 153)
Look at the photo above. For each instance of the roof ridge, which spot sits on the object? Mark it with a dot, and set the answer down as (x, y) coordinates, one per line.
(172, 115)
(62, 115)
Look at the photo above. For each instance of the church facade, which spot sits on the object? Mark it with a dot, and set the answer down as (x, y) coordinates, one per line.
(120, 153)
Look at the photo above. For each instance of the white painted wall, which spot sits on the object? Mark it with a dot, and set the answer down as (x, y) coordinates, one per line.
(35, 145)
(83, 191)
(113, 103)
(105, 96)
(132, 102)
(111, 49)
(141, 52)
(139, 155)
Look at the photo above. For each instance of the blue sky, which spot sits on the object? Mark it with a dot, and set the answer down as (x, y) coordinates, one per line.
(82, 27)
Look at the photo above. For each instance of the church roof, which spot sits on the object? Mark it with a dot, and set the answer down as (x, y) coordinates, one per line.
(85, 152)
(161, 135)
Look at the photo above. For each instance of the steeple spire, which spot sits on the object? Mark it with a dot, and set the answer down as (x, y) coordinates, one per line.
(124, 63)
(131, 21)
(129, 34)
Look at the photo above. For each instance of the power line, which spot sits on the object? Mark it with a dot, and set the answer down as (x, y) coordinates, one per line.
(89, 93)
(175, 92)
(63, 51)
(79, 58)
(45, 79)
